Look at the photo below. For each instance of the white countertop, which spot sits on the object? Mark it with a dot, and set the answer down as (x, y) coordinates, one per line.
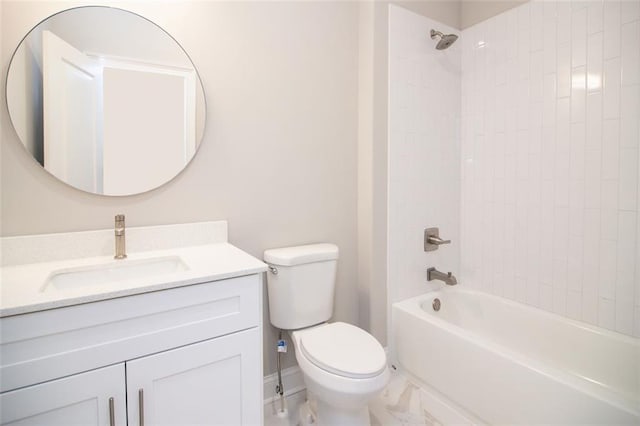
(22, 287)
(27, 263)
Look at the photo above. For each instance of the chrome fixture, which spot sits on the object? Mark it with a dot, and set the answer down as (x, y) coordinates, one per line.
(448, 278)
(121, 249)
(445, 41)
(436, 304)
(140, 407)
(112, 412)
(432, 239)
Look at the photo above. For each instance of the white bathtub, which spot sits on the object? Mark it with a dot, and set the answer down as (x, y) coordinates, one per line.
(508, 363)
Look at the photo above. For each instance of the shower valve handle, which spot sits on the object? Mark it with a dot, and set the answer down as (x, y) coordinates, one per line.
(432, 239)
(437, 241)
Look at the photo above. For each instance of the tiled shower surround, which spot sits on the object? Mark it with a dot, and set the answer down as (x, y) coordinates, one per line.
(543, 205)
(424, 152)
(550, 184)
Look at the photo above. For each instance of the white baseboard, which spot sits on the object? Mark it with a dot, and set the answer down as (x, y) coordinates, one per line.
(292, 382)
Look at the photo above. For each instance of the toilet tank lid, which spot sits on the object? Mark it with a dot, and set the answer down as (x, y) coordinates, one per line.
(298, 255)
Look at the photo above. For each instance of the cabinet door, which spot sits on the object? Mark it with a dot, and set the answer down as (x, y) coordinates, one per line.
(214, 382)
(82, 399)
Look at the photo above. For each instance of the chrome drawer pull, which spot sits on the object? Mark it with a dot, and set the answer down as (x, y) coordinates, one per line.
(112, 416)
(141, 407)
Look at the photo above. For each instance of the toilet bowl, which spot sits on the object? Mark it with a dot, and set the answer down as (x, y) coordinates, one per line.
(343, 366)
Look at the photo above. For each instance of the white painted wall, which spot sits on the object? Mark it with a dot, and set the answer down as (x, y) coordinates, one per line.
(26, 95)
(424, 152)
(445, 11)
(475, 11)
(278, 160)
(550, 119)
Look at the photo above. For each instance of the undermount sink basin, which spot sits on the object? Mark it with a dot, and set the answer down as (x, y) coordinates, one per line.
(118, 271)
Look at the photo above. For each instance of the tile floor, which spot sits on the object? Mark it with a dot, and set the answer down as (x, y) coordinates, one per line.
(403, 402)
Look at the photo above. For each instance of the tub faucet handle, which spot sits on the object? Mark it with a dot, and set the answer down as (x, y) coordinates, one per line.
(432, 239)
(437, 240)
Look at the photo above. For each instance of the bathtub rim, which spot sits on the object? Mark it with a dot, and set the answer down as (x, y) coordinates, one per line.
(617, 398)
(520, 305)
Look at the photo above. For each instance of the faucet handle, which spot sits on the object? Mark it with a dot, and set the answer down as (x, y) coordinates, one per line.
(119, 225)
(119, 222)
(432, 239)
(437, 240)
(119, 230)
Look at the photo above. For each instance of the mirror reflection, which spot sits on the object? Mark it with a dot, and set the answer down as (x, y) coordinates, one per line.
(105, 100)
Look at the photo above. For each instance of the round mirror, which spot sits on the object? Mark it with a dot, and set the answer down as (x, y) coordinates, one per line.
(105, 100)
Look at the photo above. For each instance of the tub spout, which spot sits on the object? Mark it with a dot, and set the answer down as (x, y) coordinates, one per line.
(448, 278)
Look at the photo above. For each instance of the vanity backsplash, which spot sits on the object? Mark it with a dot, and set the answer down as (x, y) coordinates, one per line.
(73, 245)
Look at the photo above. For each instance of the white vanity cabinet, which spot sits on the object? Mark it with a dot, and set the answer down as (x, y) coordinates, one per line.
(205, 383)
(181, 356)
(88, 399)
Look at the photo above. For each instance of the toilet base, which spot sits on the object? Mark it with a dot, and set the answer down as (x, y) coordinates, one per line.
(328, 415)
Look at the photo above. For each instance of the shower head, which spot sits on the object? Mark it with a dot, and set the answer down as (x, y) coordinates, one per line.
(445, 41)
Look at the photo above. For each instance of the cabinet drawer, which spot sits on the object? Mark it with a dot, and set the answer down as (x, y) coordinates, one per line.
(45, 345)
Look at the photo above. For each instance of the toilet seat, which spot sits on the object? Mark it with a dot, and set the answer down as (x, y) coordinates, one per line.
(344, 350)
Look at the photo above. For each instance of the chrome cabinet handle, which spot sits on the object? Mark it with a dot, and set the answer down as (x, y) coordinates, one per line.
(140, 407)
(112, 414)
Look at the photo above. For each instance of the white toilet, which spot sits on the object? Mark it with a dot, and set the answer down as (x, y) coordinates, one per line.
(343, 365)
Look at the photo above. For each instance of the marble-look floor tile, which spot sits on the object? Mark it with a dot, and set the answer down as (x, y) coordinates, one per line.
(401, 403)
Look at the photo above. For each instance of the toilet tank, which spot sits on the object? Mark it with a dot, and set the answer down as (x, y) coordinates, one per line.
(300, 284)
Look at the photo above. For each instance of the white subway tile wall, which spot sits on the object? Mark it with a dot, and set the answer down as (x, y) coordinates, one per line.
(424, 151)
(550, 157)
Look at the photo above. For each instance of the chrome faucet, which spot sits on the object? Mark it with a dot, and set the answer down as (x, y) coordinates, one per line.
(448, 278)
(121, 249)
